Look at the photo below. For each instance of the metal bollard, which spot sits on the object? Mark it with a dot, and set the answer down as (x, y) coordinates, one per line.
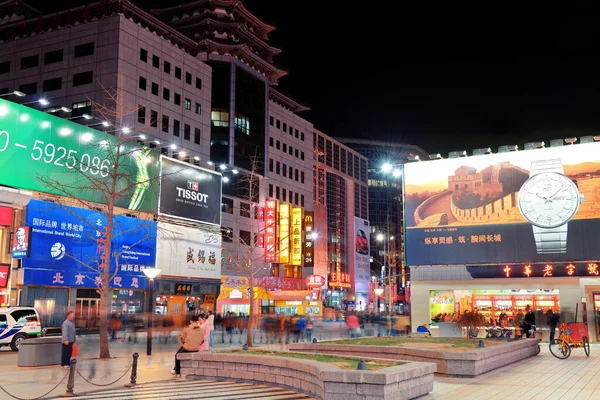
(133, 379)
(71, 381)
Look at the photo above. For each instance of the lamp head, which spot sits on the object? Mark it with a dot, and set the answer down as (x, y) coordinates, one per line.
(151, 272)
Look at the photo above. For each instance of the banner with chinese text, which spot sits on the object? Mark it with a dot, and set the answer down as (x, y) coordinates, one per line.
(188, 252)
(66, 247)
(270, 231)
(530, 206)
(284, 233)
(296, 236)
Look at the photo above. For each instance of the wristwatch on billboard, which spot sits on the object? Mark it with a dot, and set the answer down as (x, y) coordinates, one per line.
(549, 200)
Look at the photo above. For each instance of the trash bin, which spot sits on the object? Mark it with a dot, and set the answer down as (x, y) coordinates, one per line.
(40, 351)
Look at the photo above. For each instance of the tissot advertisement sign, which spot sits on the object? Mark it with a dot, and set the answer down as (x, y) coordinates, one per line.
(190, 192)
(53, 155)
(188, 252)
(66, 247)
(526, 206)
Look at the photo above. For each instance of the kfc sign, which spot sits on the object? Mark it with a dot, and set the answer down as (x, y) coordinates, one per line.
(314, 281)
(21, 242)
(4, 272)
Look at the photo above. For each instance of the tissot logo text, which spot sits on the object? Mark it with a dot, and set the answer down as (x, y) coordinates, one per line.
(192, 185)
(191, 195)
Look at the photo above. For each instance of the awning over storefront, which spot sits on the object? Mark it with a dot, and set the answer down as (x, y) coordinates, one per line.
(259, 294)
(288, 295)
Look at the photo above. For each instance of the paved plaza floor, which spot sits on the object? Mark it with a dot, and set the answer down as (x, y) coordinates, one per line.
(539, 377)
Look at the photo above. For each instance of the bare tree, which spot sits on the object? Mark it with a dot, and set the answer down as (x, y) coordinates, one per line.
(244, 258)
(121, 175)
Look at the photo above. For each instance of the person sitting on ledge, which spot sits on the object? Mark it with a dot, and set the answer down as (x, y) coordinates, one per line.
(192, 337)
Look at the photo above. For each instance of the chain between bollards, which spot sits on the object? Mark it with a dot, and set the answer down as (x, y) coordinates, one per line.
(71, 381)
(133, 380)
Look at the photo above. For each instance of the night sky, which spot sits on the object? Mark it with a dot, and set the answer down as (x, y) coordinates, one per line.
(436, 75)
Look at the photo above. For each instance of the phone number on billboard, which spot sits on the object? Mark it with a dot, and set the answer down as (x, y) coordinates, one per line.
(60, 156)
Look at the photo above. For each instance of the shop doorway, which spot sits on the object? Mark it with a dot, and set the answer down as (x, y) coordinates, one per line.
(597, 314)
(87, 309)
(86, 313)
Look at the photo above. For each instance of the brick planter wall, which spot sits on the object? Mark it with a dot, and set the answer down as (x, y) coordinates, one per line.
(322, 380)
(456, 364)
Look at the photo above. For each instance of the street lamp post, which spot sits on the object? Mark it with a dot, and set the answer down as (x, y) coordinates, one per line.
(151, 273)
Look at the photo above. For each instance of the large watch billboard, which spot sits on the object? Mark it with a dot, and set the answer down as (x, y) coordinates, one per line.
(189, 192)
(526, 206)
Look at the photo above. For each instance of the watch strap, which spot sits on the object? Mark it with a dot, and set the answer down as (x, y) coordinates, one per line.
(550, 240)
(543, 166)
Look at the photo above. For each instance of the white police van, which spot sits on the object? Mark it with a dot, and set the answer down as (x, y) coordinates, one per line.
(18, 324)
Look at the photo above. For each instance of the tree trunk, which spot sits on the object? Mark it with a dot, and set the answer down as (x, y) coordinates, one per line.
(251, 316)
(103, 323)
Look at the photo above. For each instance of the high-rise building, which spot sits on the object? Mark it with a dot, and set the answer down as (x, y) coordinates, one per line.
(385, 210)
(341, 206)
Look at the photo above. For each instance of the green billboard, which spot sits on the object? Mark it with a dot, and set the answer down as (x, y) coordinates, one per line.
(44, 153)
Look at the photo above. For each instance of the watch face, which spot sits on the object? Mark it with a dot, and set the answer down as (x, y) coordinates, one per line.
(548, 200)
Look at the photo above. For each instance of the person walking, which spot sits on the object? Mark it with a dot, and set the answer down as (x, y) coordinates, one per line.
(211, 324)
(192, 337)
(68, 339)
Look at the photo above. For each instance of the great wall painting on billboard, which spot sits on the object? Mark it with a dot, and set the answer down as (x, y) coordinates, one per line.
(528, 206)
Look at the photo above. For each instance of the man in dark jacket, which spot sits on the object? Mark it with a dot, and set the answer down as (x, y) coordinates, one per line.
(528, 320)
(68, 339)
(553, 320)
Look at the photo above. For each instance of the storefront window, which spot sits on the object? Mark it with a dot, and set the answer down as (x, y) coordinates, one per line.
(128, 301)
(500, 307)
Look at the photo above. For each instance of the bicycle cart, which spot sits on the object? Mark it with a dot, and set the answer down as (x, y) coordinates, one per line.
(572, 335)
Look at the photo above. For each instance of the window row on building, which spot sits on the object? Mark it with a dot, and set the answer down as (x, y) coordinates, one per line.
(286, 196)
(177, 71)
(166, 95)
(286, 148)
(283, 169)
(340, 159)
(286, 129)
(50, 57)
(165, 124)
(53, 84)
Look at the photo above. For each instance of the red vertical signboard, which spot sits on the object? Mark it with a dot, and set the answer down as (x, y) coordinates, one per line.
(270, 231)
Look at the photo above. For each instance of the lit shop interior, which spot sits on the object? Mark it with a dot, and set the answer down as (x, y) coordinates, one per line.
(443, 304)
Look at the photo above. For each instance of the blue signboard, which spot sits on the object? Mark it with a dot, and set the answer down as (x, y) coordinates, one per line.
(67, 248)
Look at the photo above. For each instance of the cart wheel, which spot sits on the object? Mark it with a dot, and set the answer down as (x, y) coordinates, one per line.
(586, 346)
(560, 349)
(539, 349)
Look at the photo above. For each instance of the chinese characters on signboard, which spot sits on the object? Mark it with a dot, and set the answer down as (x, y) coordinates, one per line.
(284, 233)
(183, 288)
(547, 270)
(339, 279)
(314, 281)
(270, 226)
(437, 240)
(308, 239)
(296, 236)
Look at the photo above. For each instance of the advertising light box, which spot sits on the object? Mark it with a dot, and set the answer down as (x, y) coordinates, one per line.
(526, 206)
(190, 192)
(48, 154)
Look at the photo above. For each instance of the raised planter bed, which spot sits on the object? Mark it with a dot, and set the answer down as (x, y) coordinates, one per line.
(320, 379)
(466, 363)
